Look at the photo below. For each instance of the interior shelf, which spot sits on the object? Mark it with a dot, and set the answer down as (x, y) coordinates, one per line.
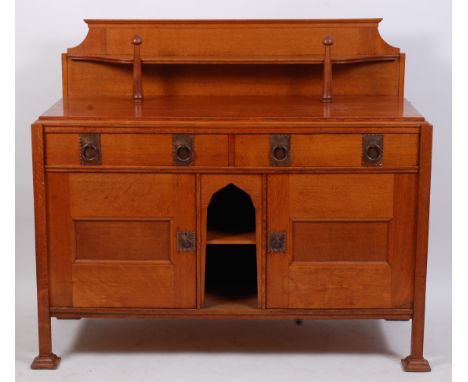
(222, 237)
(231, 276)
(214, 301)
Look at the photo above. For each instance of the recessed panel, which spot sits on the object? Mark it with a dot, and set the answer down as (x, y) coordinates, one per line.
(341, 196)
(125, 284)
(340, 241)
(329, 285)
(126, 195)
(122, 240)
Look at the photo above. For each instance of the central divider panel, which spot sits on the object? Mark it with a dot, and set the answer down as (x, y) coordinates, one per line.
(231, 264)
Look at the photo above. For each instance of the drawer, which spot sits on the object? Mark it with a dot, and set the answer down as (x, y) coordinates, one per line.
(327, 150)
(137, 149)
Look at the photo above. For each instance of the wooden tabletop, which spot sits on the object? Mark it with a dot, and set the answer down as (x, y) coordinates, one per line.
(233, 108)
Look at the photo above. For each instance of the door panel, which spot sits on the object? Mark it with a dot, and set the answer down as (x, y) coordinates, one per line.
(340, 285)
(339, 240)
(350, 196)
(349, 240)
(118, 284)
(123, 239)
(113, 240)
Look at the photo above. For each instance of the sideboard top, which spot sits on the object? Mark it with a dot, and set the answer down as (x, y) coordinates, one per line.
(244, 108)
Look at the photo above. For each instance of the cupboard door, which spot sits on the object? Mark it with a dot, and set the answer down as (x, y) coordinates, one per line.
(349, 240)
(113, 240)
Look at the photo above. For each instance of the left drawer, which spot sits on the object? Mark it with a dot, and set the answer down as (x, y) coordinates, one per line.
(63, 149)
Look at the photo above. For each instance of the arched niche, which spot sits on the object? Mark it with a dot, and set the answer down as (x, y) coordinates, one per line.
(231, 210)
(231, 261)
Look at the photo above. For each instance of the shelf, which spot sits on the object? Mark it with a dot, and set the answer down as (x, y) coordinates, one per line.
(217, 237)
(213, 301)
(235, 60)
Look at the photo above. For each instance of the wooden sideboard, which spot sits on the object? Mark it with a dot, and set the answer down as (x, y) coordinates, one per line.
(232, 169)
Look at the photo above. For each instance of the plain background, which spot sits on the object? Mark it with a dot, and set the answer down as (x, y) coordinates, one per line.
(205, 350)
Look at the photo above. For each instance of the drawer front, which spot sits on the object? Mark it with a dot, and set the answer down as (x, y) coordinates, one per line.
(326, 150)
(138, 150)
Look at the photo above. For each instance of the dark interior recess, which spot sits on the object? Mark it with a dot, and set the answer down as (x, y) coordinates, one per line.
(231, 269)
(231, 210)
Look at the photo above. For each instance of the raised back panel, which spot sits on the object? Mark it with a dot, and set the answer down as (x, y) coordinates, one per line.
(233, 57)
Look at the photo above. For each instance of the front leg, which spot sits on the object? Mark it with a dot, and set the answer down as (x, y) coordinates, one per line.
(415, 361)
(46, 359)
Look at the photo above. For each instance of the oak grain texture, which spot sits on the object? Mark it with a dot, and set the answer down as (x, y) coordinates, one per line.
(136, 150)
(60, 239)
(328, 150)
(416, 361)
(45, 359)
(239, 108)
(340, 240)
(111, 203)
(123, 284)
(352, 284)
(123, 240)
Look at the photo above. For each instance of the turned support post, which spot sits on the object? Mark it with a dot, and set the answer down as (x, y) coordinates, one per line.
(137, 82)
(327, 70)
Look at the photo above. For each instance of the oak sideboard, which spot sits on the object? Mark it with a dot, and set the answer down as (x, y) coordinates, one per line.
(250, 169)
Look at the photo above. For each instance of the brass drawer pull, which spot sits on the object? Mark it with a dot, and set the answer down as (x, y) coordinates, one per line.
(280, 150)
(90, 149)
(182, 150)
(372, 149)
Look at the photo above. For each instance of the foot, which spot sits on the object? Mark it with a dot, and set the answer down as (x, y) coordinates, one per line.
(415, 364)
(46, 362)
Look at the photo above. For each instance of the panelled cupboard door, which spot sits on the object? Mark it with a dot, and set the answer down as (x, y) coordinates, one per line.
(113, 240)
(349, 240)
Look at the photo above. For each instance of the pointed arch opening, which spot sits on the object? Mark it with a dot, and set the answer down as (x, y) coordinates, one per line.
(231, 262)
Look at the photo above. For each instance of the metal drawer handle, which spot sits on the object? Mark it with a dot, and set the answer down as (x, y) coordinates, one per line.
(280, 152)
(183, 149)
(90, 152)
(183, 153)
(372, 149)
(90, 149)
(374, 152)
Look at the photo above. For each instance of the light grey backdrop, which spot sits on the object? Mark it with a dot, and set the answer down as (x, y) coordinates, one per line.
(421, 28)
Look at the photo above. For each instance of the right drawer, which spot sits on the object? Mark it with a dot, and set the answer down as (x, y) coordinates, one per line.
(327, 150)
